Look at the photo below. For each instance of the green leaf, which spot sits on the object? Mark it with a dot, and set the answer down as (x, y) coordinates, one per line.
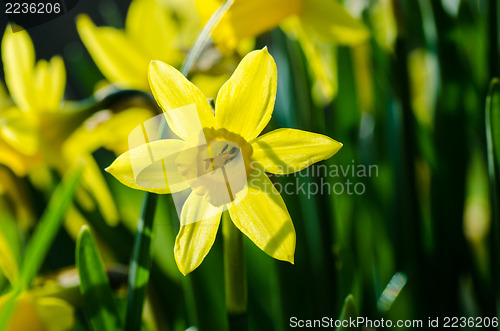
(43, 236)
(348, 311)
(141, 261)
(94, 284)
(492, 121)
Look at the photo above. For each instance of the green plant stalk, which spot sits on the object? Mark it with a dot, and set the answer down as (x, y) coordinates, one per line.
(141, 258)
(141, 262)
(234, 273)
(94, 284)
(494, 182)
(42, 237)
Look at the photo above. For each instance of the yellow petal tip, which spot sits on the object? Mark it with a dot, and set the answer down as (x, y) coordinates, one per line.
(83, 20)
(184, 270)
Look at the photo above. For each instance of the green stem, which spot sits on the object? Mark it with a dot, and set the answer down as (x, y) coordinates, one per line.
(141, 262)
(492, 157)
(235, 274)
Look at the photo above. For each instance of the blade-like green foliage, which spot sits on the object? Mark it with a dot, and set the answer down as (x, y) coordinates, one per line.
(139, 266)
(94, 284)
(492, 120)
(348, 311)
(42, 238)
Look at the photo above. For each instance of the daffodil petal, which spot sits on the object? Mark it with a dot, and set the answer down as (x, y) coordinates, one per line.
(42, 82)
(19, 130)
(104, 129)
(209, 85)
(285, 151)
(25, 315)
(95, 183)
(321, 59)
(330, 22)
(263, 217)
(245, 103)
(246, 18)
(199, 224)
(151, 26)
(117, 58)
(150, 167)
(173, 91)
(56, 314)
(8, 262)
(18, 56)
(57, 83)
(19, 163)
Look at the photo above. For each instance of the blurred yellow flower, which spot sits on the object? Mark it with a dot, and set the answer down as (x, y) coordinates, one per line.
(39, 313)
(124, 55)
(325, 20)
(316, 24)
(32, 312)
(244, 107)
(151, 33)
(38, 129)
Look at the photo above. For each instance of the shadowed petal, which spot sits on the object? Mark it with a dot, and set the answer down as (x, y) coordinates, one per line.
(263, 217)
(199, 224)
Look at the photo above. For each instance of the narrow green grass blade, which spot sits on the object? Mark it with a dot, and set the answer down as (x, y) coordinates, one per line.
(141, 261)
(94, 284)
(348, 311)
(492, 121)
(42, 237)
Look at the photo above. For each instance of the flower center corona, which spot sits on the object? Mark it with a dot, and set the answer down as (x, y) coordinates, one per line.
(216, 165)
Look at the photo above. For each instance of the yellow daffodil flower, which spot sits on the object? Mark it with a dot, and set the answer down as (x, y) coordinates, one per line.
(32, 312)
(124, 55)
(316, 24)
(151, 33)
(33, 130)
(39, 313)
(39, 131)
(244, 106)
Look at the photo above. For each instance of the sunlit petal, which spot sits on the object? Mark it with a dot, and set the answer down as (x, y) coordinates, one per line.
(19, 130)
(152, 28)
(245, 103)
(149, 167)
(172, 91)
(330, 22)
(285, 151)
(18, 56)
(247, 18)
(58, 82)
(117, 58)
